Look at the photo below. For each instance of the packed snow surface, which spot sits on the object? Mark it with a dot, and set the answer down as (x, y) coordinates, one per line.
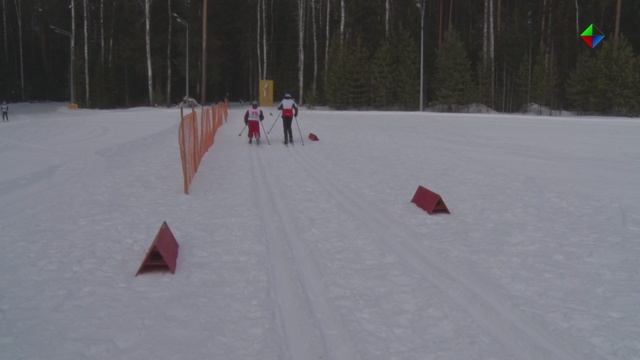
(315, 251)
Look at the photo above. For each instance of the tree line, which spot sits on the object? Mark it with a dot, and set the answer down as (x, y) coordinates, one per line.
(505, 54)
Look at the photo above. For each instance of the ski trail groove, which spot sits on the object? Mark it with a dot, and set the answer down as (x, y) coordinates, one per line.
(293, 313)
(282, 344)
(336, 339)
(518, 335)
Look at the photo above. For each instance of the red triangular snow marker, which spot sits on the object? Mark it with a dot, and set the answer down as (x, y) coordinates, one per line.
(313, 137)
(162, 253)
(429, 201)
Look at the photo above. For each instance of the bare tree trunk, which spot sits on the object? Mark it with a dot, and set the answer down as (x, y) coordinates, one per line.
(86, 56)
(504, 83)
(170, 17)
(440, 20)
(543, 24)
(4, 23)
(204, 51)
(498, 24)
(102, 32)
(485, 31)
(113, 18)
(450, 14)
(530, 72)
(19, 15)
(326, 45)
(147, 26)
(386, 18)
(264, 40)
(72, 61)
(577, 20)
(315, 49)
(301, 50)
(258, 26)
(492, 54)
(342, 20)
(616, 34)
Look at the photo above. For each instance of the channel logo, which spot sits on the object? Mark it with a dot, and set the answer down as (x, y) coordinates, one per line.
(592, 36)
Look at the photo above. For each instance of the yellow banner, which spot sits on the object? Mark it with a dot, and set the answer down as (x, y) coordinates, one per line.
(266, 92)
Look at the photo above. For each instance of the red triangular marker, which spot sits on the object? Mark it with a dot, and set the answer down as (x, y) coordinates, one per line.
(429, 201)
(163, 252)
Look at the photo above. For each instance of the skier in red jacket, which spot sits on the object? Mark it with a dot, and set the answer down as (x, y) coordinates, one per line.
(252, 119)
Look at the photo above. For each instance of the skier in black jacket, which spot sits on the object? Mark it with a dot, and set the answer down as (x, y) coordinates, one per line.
(289, 109)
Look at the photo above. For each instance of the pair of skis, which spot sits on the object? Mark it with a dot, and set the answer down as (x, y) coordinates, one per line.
(271, 128)
(297, 124)
(257, 139)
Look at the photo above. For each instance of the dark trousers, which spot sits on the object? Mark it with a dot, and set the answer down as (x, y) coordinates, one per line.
(288, 134)
(5, 116)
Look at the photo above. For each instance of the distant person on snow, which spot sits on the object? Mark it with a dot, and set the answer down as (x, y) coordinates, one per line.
(252, 119)
(5, 111)
(289, 109)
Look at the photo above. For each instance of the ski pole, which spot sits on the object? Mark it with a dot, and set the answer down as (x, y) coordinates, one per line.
(245, 126)
(300, 131)
(274, 124)
(265, 133)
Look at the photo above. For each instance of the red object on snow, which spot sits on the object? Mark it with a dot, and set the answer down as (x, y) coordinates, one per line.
(429, 201)
(162, 253)
(313, 137)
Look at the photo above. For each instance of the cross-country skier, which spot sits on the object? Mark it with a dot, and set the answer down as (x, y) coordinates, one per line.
(252, 119)
(5, 111)
(289, 109)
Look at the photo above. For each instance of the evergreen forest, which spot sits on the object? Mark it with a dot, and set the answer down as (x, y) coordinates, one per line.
(346, 54)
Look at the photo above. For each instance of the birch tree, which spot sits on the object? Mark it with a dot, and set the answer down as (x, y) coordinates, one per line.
(440, 22)
(450, 15)
(19, 16)
(86, 56)
(264, 40)
(169, 31)
(326, 45)
(112, 25)
(147, 21)
(485, 31)
(315, 49)
(258, 27)
(4, 24)
(616, 34)
(72, 44)
(492, 52)
(203, 82)
(387, 11)
(301, 22)
(577, 20)
(342, 20)
(102, 32)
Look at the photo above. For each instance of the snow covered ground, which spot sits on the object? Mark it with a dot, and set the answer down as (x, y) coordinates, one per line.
(314, 251)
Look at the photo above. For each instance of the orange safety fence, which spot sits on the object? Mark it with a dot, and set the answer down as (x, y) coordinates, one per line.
(197, 136)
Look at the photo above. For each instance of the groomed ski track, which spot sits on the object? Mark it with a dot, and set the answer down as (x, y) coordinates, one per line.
(287, 183)
(314, 252)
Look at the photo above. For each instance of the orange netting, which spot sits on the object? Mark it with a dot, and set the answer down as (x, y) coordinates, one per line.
(196, 137)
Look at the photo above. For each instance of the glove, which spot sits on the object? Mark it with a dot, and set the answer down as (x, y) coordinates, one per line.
(246, 122)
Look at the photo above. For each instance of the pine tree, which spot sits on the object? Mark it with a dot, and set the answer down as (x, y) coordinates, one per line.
(357, 76)
(543, 86)
(521, 83)
(453, 72)
(382, 77)
(407, 72)
(606, 82)
(336, 91)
